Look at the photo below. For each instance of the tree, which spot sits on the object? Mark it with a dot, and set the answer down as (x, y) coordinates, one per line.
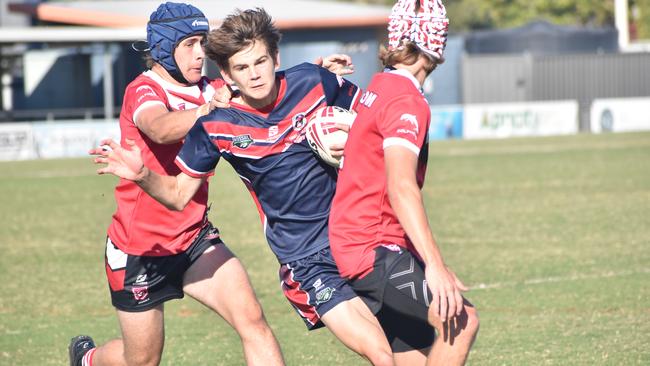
(486, 14)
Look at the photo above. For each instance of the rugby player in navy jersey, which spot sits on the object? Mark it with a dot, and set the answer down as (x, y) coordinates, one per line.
(261, 136)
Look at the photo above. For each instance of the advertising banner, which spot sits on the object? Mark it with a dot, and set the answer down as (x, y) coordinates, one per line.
(501, 120)
(620, 115)
(16, 141)
(71, 139)
(446, 122)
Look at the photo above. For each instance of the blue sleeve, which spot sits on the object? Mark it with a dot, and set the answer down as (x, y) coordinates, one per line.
(338, 91)
(199, 155)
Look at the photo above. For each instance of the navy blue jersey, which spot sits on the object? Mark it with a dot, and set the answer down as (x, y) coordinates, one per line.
(292, 188)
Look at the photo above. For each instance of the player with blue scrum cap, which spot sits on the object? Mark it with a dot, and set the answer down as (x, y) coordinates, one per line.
(262, 135)
(154, 254)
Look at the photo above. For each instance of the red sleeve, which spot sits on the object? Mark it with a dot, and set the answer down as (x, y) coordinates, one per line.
(144, 93)
(405, 122)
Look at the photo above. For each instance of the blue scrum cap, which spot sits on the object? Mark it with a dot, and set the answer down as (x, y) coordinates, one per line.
(167, 27)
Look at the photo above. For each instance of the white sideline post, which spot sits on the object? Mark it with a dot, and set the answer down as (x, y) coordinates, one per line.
(622, 25)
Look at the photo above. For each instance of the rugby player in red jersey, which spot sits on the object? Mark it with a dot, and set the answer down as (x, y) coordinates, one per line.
(154, 254)
(379, 233)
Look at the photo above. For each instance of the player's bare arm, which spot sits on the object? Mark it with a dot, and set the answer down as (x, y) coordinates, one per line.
(175, 192)
(406, 199)
(166, 127)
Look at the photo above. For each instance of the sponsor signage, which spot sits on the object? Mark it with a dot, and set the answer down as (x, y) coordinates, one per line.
(520, 119)
(446, 122)
(71, 139)
(620, 115)
(16, 141)
(21, 141)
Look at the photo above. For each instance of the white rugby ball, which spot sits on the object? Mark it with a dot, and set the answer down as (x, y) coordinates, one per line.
(321, 131)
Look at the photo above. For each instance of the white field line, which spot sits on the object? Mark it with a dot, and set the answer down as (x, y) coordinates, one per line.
(544, 280)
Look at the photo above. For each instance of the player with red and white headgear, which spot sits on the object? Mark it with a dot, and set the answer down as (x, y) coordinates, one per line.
(379, 233)
(424, 23)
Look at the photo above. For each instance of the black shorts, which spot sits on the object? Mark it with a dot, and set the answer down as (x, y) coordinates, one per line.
(397, 293)
(140, 283)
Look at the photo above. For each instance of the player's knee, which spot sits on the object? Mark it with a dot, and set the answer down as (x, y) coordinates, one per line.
(380, 357)
(143, 357)
(250, 317)
(473, 322)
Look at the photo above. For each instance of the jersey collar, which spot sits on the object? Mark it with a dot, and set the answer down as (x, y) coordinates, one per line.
(192, 90)
(407, 75)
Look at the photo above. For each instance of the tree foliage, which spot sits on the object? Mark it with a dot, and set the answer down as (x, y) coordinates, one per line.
(640, 17)
(486, 14)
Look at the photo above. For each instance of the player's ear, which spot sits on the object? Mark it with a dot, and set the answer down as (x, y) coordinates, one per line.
(276, 60)
(226, 76)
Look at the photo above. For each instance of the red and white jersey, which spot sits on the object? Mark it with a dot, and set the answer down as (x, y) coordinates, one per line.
(141, 225)
(392, 111)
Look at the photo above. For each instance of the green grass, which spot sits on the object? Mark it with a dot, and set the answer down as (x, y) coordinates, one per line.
(552, 234)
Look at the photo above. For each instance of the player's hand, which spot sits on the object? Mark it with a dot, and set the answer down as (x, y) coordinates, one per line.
(446, 291)
(122, 162)
(337, 149)
(220, 99)
(339, 64)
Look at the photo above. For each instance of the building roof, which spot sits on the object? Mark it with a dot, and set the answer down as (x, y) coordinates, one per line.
(288, 14)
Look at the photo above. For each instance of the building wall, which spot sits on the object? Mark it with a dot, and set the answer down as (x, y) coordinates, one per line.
(512, 78)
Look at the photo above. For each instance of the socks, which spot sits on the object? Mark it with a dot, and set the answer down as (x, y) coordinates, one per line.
(87, 359)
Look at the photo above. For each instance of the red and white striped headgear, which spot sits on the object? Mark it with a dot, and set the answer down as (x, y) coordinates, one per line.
(427, 27)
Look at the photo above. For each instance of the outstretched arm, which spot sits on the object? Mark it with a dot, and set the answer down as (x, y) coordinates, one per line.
(165, 127)
(406, 200)
(173, 192)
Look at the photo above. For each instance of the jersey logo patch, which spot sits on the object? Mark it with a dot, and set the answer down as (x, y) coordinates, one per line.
(299, 121)
(242, 141)
(273, 131)
(324, 295)
(406, 117)
(140, 293)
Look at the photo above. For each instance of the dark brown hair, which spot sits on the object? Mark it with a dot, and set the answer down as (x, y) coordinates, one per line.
(238, 31)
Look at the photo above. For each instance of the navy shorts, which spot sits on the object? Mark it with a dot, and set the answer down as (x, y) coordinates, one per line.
(313, 286)
(396, 292)
(140, 283)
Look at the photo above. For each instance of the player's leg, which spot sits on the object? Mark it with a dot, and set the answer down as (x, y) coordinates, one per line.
(139, 285)
(355, 326)
(141, 343)
(407, 293)
(456, 336)
(321, 297)
(218, 280)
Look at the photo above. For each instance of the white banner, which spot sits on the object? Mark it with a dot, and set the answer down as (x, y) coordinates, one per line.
(502, 120)
(33, 140)
(71, 139)
(620, 115)
(16, 141)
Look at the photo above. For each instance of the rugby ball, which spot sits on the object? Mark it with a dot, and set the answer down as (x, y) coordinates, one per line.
(322, 132)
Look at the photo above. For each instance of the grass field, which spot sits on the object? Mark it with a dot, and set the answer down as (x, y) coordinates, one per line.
(552, 234)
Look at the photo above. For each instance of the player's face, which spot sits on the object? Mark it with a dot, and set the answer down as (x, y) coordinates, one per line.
(189, 58)
(252, 70)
